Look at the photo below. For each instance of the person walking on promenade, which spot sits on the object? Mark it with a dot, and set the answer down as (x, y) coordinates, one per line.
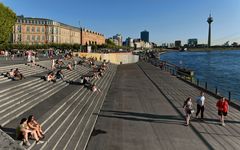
(200, 105)
(222, 106)
(188, 109)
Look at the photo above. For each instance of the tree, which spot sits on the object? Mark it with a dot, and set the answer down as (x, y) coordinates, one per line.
(7, 21)
(234, 44)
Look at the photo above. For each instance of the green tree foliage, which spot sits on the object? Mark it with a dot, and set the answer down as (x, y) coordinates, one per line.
(7, 21)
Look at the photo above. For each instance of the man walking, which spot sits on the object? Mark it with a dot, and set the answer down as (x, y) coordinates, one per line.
(200, 105)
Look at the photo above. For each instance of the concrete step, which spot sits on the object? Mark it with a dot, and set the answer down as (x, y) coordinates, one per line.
(28, 90)
(84, 128)
(25, 70)
(89, 126)
(16, 86)
(53, 133)
(68, 126)
(29, 103)
(30, 100)
(25, 89)
(57, 143)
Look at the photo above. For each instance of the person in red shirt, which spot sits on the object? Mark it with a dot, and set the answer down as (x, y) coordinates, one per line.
(222, 106)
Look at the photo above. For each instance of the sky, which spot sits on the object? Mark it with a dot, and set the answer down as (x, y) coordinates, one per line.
(166, 20)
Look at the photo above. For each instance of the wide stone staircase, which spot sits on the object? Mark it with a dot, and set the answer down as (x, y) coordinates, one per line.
(66, 110)
(26, 69)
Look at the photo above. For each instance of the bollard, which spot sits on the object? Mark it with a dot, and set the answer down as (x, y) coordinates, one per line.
(206, 85)
(216, 90)
(229, 95)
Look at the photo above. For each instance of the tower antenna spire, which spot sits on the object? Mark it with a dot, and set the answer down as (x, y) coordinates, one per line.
(209, 20)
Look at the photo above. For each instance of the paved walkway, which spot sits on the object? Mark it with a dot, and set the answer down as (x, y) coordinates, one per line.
(137, 116)
(143, 110)
(17, 60)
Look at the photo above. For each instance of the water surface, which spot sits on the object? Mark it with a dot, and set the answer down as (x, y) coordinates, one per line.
(220, 69)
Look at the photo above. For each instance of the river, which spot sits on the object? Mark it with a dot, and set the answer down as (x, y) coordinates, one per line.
(219, 69)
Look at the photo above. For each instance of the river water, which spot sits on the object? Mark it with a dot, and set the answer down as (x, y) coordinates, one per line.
(219, 69)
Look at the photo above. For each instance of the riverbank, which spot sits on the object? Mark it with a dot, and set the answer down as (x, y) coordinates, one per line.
(212, 49)
(219, 71)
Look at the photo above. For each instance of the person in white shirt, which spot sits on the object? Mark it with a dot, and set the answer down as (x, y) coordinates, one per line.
(200, 105)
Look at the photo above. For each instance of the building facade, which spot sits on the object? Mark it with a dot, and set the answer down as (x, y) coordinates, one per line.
(192, 42)
(129, 42)
(43, 31)
(117, 39)
(145, 36)
(139, 44)
(178, 44)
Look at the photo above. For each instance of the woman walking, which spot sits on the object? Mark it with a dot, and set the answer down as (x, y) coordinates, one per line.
(222, 106)
(188, 109)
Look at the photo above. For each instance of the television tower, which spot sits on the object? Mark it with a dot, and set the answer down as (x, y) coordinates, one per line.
(209, 20)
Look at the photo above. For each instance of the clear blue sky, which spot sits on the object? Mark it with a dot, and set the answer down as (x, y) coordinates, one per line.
(166, 20)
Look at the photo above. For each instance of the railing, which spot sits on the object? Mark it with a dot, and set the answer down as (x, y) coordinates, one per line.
(188, 76)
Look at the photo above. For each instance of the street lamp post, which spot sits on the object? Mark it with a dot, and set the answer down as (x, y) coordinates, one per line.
(80, 36)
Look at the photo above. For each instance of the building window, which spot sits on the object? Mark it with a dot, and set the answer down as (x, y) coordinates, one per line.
(19, 28)
(38, 29)
(28, 29)
(43, 38)
(43, 29)
(19, 37)
(38, 38)
(33, 38)
(33, 29)
(28, 37)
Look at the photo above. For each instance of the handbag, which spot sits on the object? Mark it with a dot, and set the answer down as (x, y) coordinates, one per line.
(192, 111)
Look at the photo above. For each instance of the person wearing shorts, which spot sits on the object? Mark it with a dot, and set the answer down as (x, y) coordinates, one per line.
(222, 106)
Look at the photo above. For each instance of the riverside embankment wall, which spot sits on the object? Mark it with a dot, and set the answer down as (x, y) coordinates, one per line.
(115, 58)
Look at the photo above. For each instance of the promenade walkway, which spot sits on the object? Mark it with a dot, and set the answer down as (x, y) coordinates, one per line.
(143, 110)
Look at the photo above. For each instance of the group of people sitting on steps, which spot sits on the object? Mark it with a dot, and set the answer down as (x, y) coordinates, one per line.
(53, 76)
(97, 73)
(14, 74)
(59, 64)
(29, 129)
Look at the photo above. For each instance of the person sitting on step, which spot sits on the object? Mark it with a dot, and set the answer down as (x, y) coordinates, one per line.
(24, 133)
(81, 80)
(59, 74)
(51, 77)
(10, 74)
(95, 75)
(34, 125)
(69, 66)
(18, 75)
(94, 88)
